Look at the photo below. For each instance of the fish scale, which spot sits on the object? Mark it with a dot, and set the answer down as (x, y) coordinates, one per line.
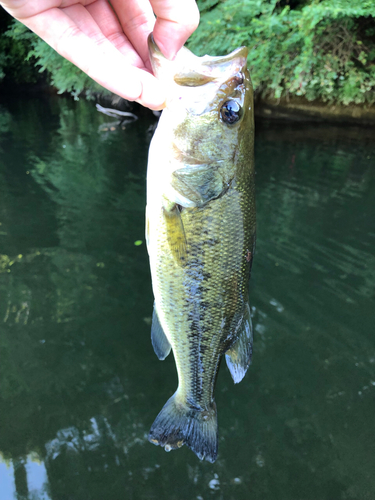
(201, 236)
(208, 305)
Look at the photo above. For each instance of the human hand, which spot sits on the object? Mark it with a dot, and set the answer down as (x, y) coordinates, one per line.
(108, 41)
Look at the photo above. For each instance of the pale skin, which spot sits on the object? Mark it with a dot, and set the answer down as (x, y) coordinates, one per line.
(108, 41)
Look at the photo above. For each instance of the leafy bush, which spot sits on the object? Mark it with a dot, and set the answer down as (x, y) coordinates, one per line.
(62, 74)
(2, 64)
(13, 53)
(319, 50)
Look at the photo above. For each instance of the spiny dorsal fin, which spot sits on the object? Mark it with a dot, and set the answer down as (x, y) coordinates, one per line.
(238, 356)
(176, 234)
(159, 341)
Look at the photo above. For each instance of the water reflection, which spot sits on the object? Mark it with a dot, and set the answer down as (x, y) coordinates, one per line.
(24, 478)
(7, 479)
(79, 382)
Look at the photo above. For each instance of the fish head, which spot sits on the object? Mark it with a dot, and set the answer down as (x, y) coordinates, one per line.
(209, 109)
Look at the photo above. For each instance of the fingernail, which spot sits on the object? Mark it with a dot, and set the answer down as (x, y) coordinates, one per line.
(170, 55)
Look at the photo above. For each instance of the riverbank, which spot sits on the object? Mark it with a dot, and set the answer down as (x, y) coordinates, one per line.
(292, 109)
(299, 109)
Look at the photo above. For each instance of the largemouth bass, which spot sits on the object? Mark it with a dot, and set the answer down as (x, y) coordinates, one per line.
(200, 232)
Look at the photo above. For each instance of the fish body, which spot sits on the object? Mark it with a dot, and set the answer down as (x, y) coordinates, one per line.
(200, 233)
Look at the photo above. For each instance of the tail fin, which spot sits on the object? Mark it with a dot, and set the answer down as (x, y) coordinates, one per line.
(178, 424)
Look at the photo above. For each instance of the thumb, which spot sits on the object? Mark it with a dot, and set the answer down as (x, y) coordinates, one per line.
(176, 21)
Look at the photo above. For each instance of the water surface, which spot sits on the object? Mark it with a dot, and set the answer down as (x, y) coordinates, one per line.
(79, 382)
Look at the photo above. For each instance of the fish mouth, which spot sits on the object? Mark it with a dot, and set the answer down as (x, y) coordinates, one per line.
(154, 53)
(189, 70)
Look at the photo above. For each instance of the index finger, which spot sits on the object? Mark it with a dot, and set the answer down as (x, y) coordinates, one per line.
(98, 58)
(175, 22)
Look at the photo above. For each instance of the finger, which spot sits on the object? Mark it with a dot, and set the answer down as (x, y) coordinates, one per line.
(24, 9)
(149, 97)
(137, 21)
(175, 22)
(99, 59)
(109, 25)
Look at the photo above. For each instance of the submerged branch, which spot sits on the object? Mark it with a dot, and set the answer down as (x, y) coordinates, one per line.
(115, 113)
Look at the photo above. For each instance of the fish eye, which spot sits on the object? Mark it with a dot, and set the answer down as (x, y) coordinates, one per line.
(230, 112)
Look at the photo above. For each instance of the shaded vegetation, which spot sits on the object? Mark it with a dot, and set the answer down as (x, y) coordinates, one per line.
(62, 74)
(14, 51)
(26, 58)
(319, 50)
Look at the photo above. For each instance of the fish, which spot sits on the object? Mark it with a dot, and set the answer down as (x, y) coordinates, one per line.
(200, 235)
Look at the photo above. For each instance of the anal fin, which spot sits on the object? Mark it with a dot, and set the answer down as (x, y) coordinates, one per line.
(159, 341)
(238, 356)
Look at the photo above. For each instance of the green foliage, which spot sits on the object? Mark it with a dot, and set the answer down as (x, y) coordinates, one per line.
(319, 50)
(13, 55)
(63, 75)
(2, 64)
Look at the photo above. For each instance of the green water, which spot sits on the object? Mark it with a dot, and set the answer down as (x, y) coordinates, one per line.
(79, 382)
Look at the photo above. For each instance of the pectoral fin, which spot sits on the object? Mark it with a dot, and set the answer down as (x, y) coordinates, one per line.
(159, 341)
(176, 234)
(238, 356)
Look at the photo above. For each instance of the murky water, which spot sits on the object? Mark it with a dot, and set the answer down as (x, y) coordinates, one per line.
(79, 382)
